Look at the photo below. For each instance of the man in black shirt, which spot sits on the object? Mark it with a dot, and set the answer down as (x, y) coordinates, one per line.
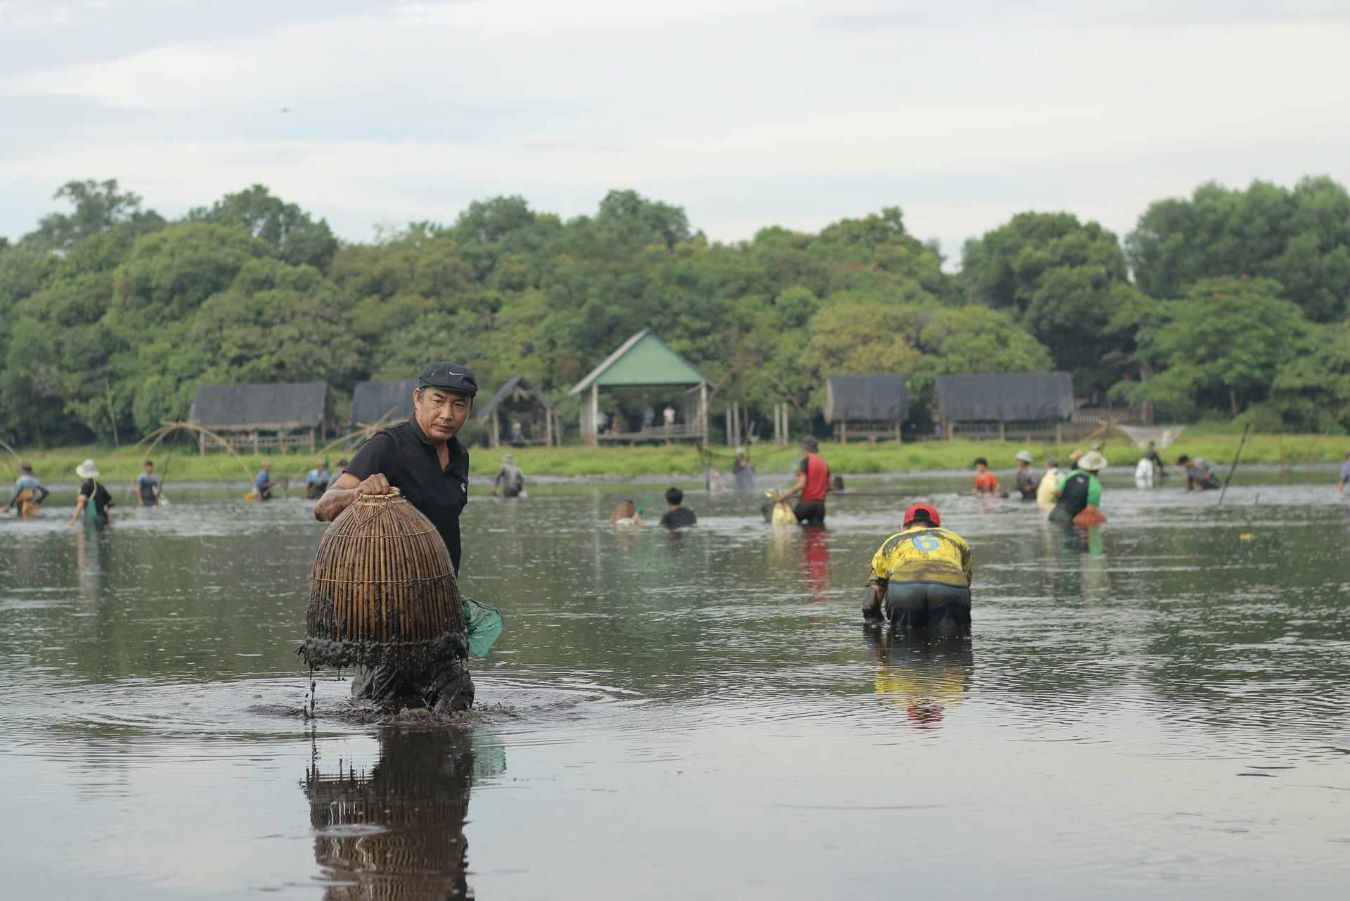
(676, 516)
(424, 461)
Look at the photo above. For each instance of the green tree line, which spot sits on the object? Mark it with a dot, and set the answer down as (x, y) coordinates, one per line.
(1230, 303)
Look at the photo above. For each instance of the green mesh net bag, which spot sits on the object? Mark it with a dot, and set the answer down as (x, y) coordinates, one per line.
(484, 624)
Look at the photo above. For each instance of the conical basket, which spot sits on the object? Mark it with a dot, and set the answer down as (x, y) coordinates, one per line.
(382, 589)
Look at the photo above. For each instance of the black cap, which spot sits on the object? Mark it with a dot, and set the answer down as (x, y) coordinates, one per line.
(810, 443)
(449, 377)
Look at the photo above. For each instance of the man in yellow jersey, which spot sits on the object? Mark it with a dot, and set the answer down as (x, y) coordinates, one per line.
(923, 574)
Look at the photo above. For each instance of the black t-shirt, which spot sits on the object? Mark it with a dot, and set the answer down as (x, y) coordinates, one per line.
(408, 459)
(678, 518)
(98, 496)
(1073, 497)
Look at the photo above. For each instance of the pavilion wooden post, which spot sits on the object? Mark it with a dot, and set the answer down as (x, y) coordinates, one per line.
(548, 427)
(593, 433)
(703, 409)
(496, 429)
(1002, 431)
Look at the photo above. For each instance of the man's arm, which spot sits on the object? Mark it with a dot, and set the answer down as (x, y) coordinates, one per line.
(1094, 497)
(795, 489)
(345, 491)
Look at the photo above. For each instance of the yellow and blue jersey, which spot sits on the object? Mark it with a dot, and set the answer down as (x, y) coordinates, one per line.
(923, 553)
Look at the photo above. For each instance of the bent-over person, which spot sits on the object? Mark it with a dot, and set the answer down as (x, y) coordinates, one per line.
(922, 574)
(424, 461)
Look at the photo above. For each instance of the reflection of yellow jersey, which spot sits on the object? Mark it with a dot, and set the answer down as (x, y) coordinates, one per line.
(944, 687)
(924, 554)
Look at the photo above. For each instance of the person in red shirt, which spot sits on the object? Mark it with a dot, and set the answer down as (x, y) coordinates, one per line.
(986, 483)
(813, 484)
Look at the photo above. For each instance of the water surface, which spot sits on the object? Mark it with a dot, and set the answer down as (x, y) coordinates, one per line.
(1162, 710)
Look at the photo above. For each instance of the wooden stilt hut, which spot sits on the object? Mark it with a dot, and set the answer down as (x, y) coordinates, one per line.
(520, 401)
(1026, 405)
(279, 416)
(866, 406)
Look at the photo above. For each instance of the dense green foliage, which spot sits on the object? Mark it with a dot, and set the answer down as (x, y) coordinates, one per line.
(110, 315)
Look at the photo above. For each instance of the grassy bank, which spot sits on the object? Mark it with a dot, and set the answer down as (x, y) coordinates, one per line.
(58, 465)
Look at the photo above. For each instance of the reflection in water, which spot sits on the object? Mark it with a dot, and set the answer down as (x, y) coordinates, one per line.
(397, 831)
(925, 677)
(816, 561)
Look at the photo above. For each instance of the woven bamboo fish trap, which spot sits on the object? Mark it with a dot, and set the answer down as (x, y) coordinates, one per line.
(382, 590)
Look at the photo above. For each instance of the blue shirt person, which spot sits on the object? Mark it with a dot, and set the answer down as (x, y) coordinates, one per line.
(147, 486)
(262, 482)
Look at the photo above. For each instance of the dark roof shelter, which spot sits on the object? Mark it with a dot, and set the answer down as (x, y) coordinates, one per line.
(292, 413)
(378, 403)
(519, 398)
(874, 404)
(1004, 397)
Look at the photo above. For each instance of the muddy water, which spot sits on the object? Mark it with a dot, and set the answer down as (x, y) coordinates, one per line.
(1161, 711)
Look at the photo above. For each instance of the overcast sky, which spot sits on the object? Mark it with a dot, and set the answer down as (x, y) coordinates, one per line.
(744, 112)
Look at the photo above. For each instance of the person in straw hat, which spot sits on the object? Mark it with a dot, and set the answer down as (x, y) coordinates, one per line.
(94, 500)
(424, 461)
(1080, 492)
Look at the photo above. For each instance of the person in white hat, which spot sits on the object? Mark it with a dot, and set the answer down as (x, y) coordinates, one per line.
(94, 500)
(1025, 480)
(1080, 491)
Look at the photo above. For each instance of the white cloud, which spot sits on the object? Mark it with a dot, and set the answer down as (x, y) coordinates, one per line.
(730, 108)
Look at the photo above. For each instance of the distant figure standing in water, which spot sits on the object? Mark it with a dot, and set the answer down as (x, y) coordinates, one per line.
(262, 482)
(625, 513)
(1151, 455)
(986, 483)
(29, 493)
(743, 472)
(147, 486)
(1026, 481)
(94, 501)
(510, 480)
(1345, 475)
(316, 481)
(1080, 489)
(1200, 476)
(922, 574)
(677, 516)
(812, 487)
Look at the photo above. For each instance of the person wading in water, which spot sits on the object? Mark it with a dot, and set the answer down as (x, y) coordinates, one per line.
(813, 484)
(424, 461)
(29, 493)
(1080, 489)
(923, 575)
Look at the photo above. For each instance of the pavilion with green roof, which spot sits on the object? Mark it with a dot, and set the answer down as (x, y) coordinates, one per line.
(644, 370)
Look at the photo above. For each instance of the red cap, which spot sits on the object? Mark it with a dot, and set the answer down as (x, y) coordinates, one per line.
(922, 508)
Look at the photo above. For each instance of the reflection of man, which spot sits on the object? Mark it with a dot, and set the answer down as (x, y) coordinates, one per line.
(425, 461)
(398, 830)
(927, 678)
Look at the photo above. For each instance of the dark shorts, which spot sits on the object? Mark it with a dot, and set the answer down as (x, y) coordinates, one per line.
(810, 513)
(928, 605)
(444, 686)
